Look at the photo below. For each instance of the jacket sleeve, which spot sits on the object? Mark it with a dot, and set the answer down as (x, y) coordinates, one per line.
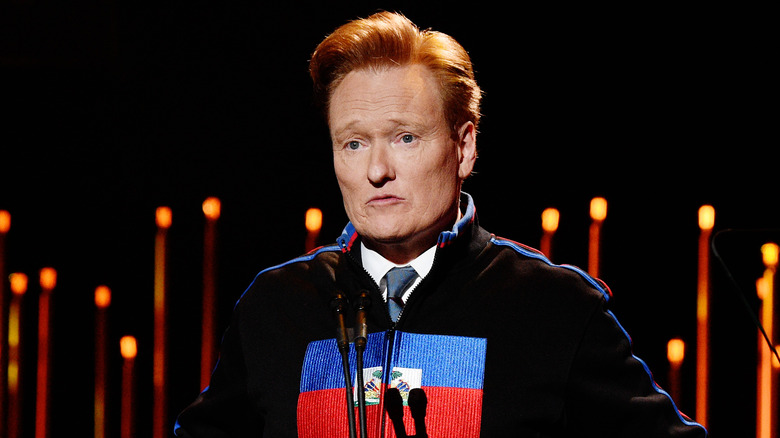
(612, 391)
(222, 409)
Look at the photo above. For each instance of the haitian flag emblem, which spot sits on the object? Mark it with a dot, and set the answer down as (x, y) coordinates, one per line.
(449, 369)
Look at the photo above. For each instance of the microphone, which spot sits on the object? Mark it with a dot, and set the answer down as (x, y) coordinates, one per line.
(361, 338)
(418, 404)
(394, 405)
(361, 328)
(338, 305)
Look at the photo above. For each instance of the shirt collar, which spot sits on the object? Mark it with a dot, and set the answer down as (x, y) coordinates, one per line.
(377, 266)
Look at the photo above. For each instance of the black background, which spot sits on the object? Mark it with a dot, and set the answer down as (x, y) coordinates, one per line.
(111, 110)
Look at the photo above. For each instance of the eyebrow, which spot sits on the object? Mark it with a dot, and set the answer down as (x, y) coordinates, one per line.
(349, 127)
(414, 125)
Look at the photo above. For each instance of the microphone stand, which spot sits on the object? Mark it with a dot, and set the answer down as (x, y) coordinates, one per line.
(361, 338)
(342, 340)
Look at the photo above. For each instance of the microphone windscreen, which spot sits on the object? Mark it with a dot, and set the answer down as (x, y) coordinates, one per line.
(394, 403)
(418, 403)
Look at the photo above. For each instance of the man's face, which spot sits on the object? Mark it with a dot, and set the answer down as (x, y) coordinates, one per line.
(397, 164)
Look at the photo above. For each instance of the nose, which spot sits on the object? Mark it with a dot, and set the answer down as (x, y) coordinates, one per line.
(380, 166)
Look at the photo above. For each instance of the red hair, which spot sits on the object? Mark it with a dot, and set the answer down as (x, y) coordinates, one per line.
(390, 39)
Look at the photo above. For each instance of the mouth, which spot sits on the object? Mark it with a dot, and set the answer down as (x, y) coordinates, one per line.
(384, 199)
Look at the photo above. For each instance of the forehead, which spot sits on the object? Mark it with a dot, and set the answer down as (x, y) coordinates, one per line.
(393, 93)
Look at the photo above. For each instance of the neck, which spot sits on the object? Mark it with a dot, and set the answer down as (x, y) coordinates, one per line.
(398, 253)
(403, 251)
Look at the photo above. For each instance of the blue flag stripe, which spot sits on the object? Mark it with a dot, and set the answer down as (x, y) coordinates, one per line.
(445, 361)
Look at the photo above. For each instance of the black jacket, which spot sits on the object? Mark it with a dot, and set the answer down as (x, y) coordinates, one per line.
(546, 356)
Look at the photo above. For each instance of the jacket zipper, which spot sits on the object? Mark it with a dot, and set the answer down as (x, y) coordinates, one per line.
(390, 336)
(411, 292)
(386, 378)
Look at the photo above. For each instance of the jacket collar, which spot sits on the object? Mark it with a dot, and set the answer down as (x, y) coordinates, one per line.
(349, 235)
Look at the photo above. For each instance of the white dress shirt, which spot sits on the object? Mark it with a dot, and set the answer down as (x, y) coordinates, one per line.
(377, 266)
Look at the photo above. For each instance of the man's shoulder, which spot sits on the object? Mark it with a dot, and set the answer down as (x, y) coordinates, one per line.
(323, 255)
(534, 267)
(297, 274)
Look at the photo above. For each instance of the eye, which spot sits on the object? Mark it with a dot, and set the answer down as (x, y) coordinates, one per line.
(353, 145)
(407, 138)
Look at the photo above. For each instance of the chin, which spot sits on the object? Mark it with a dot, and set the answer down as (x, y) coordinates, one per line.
(384, 238)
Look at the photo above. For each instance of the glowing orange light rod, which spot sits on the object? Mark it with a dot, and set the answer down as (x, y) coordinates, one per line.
(761, 290)
(160, 402)
(767, 378)
(598, 212)
(550, 217)
(208, 354)
(102, 302)
(5, 226)
(129, 349)
(706, 223)
(675, 353)
(48, 279)
(313, 227)
(18, 288)
(5, 221)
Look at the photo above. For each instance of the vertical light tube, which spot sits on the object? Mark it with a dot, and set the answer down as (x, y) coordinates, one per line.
(129, 348)
(766, 415)
(5, 226)
(211, 210)
(313, 227)
(598, 212)
(18, 289)
(675, 353)
(102, 302)
(706, 223)
(550, 218)
(160, 402)
(48, 279)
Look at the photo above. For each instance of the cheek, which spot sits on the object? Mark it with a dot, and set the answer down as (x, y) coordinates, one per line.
(437, 189)
(441, 176)
(344, 185)
(347, 185)
(341, 170)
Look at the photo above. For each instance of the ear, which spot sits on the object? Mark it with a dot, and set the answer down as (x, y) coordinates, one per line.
(467, 149)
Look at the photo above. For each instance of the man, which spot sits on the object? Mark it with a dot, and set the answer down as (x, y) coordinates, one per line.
(486, 338)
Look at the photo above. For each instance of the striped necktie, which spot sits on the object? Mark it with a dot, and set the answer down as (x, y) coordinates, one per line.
(398, 280)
